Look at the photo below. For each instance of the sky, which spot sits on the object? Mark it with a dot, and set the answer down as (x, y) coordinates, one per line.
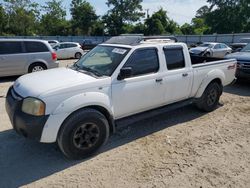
(181, 11)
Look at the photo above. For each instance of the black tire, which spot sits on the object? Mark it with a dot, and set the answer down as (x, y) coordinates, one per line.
(207, 54)
(78, 55)
(210, 98)
(83, 133)
(35, 67)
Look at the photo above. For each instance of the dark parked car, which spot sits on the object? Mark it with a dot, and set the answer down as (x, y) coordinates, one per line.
(236, 47)
(243, 62)
(88, 45)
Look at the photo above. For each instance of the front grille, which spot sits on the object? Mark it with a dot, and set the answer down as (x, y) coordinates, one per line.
(243, 65)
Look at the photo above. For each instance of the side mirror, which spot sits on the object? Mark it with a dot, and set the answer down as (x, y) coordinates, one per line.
(125, 72)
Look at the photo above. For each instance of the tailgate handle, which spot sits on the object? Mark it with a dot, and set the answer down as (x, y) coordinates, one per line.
(185, 74)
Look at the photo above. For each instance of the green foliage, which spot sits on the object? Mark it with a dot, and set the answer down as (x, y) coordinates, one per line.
(3, 20)
(228, 16)
(22, 16)
(83, 17)
(53, 22)
(159, 23)
(122, 12)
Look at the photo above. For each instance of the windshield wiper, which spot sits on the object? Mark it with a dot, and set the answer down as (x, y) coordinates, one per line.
(91, 71)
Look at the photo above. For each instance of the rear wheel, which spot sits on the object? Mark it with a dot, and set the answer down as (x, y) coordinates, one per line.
(210, 98)
(83, 133)
(37, 67)
(78, 55)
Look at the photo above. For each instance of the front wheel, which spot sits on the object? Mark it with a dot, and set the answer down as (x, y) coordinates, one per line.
(83, 133)
(210, 98)
(78, 55)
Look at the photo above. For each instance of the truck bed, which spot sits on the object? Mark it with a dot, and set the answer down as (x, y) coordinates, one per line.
(202, 60)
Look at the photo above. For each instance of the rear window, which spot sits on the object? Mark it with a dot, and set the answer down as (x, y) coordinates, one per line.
(174, 58)
(33, 47)
(10, 47)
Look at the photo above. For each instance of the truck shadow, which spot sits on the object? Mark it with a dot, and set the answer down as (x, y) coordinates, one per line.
(23, 161)
(241, 88)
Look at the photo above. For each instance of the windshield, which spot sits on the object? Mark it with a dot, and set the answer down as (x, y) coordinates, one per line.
(206, 45)
(102, 60)
(246, 48)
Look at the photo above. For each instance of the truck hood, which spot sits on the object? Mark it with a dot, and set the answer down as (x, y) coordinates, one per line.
(240, 56)
(53, 80)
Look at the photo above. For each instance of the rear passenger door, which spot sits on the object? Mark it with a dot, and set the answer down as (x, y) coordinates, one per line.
(178, 79)
(12, 58)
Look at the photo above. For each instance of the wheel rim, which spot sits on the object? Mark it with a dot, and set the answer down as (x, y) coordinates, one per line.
(86, 136)
(78, 55)
(37, 69)
(212, 97)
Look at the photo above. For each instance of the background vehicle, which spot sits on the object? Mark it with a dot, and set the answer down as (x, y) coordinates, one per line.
(53, 42)
(81, 105)
(67, 50)
(88, 45)
(210, 49)
(21, 56)
(236, 47)
(243, 62)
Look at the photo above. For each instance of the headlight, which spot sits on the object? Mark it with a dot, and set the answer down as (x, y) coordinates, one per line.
(33, 106)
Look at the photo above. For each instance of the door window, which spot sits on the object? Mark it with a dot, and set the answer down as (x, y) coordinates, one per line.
(174, 58)
(143, 61)
(11, 47)
(32, 47)
(217, 46)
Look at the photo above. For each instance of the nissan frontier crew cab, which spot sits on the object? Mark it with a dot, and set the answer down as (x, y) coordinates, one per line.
(78, 106)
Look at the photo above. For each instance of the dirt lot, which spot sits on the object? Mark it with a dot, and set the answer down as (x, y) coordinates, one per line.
(183, 148)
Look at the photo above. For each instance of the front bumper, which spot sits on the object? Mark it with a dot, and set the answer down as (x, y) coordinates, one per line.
(243, 73)
(24, 124)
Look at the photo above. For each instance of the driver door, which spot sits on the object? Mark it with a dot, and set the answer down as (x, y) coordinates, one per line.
(144, 89)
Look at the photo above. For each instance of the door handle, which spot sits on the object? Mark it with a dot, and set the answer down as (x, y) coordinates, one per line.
(185, 74)
(159, 80)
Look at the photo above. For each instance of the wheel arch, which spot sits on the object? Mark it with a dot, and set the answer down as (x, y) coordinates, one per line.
(214, 76)
(36, 62)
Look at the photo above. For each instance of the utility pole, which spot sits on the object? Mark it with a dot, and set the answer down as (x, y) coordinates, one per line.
(147, 12)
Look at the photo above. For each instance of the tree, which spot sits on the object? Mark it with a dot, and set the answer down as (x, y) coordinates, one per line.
(3, 20)
(187, 29)
(122, 13)
(159, 23)
(53, 22)
(83, 17)
(22, 17)
(226, 16)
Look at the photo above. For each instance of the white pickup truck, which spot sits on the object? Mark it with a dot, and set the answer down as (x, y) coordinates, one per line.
(78, 106)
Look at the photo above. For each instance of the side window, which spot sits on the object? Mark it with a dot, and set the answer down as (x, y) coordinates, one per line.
(174, 58)
(71, 45)
(143, 61)
(223, 46)
(217, 46)
(63, 46)
(33, 47)
(11, 47)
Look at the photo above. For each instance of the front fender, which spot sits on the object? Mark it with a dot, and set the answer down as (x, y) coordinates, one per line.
(83, 100)
(212, 75)
(67, 107)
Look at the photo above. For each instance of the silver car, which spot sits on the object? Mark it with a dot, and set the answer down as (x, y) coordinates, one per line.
(21, 56)
(211, 49)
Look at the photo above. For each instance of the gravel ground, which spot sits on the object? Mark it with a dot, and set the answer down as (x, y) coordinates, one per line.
(182, 148)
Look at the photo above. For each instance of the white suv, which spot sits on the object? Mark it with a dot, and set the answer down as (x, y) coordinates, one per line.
(67, 50)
